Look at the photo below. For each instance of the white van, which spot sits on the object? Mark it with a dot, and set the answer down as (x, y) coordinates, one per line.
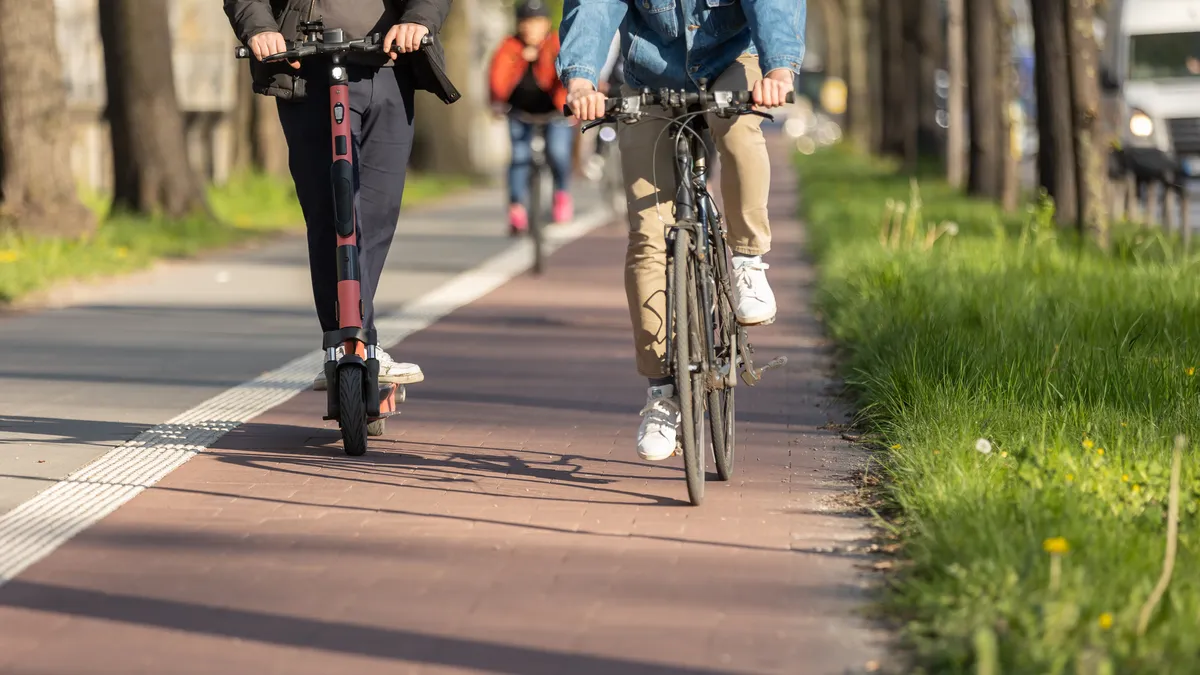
(1151, 62)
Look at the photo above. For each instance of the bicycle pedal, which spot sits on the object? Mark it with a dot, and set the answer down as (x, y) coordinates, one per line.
(752, 376)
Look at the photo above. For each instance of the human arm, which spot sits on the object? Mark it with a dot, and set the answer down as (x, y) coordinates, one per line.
(418, 18)
(777, 27)
(255, 27)
(587, 29)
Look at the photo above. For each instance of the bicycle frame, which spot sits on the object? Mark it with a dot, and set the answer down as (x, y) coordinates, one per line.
(696, 211)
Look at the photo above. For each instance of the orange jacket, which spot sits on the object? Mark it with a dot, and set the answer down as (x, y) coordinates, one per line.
(508, 67)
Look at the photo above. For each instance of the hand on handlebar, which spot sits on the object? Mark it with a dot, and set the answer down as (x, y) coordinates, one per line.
(772, 90)
(404, 38)
(269, 43)
(583, 100)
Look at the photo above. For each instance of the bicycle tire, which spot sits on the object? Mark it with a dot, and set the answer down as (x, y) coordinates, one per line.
(721, 402)
(536, 229)
(352, 406)
(687, 385)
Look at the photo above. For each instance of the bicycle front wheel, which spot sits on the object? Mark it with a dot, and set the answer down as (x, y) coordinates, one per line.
(688, 384)
(726, 334)
(536, 212)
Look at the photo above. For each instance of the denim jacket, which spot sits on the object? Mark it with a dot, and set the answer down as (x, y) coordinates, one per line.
(676, 43)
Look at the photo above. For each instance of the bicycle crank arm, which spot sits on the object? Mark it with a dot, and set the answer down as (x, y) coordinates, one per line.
(752, 376)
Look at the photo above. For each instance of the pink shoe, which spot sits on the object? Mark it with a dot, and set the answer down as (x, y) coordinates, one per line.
(518, 219)
(564, 207)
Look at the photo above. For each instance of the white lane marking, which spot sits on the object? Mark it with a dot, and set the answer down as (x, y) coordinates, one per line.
(48, 520)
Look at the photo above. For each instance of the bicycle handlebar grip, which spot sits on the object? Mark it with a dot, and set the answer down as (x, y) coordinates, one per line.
(791, 97)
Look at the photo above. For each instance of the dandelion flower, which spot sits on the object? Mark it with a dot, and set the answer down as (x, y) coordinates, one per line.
(1105, 621)
(1124, 424)
(1056, 546)
(1070, 477)
(897, 446)
(1088, 444)
(1100, 451)
(1137, 488)
(1190, 371)
(1003, 453)
(937, 452)
(1124, 478)
(8, 255)
(984, 446)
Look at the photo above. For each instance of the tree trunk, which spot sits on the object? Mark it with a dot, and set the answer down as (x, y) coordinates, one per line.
(443, 142)
(956, 103)
(898, 91)
(151, 172)
(1056, 147)
(876, 74)
(259, 144)
(835, 38)
(859, 71)
(1090, 169)
(930, 46)
(986, 179)
(38, 191)
(1006, 79)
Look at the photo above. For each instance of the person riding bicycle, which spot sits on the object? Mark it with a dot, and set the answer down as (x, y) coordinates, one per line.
(382, 87)
(525, 86)
(675, 44)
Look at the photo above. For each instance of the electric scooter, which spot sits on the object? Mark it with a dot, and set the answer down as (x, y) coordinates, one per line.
(354, 395)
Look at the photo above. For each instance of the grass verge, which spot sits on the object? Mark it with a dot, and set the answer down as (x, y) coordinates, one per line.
(1025, 391)
(245, 209)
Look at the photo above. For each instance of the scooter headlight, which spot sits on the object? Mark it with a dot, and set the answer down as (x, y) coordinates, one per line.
(608, 134)
(1140, 124)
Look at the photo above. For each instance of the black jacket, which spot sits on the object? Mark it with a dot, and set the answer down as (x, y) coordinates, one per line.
(357, 17)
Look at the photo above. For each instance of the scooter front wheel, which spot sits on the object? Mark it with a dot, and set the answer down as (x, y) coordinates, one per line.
(353, 409)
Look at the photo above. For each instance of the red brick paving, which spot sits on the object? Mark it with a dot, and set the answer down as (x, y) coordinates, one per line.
(503, 525)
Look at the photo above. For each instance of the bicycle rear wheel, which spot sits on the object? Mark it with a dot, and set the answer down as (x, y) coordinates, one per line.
(536, 213)
(688, 384)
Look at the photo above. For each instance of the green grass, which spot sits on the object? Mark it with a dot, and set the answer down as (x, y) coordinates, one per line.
(1077, 366)
(245, 209)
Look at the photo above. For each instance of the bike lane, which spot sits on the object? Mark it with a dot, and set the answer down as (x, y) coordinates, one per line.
(504, 523)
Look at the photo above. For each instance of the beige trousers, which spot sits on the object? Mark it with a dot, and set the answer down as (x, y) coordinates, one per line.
(745, 184)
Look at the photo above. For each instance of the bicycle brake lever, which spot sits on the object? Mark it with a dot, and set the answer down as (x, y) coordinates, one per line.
(593, 124)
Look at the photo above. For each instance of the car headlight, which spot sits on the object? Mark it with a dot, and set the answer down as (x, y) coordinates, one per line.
(1140, 124)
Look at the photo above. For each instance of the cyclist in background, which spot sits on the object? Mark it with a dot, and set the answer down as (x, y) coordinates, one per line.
(525, 86)
(675, 44)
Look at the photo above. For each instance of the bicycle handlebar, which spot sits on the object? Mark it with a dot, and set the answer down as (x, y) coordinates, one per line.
(306, 48)
(710, 101)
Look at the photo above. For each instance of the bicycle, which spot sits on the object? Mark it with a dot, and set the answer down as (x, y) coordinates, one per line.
(354, 398)
(538, 171)
(706, 346)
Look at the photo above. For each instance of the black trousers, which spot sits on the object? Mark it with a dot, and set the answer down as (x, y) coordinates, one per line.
(381, 120)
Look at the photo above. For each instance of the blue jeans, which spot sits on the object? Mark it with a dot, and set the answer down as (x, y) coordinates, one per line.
(560, 142)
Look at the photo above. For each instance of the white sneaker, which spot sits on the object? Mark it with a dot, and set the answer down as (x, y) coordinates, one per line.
(754, 302)
(660, 424)
(390, 371)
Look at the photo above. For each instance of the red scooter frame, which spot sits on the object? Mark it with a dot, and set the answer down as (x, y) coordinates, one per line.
(354, 398)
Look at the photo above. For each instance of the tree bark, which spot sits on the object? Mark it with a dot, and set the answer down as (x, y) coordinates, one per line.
(1090, 165)
(442, 143)
(37, 188)
(1056, 146)
(151, 173)
(836, 33)
(1006, 79)
(876, 74)
(956, 137)
(931, 47)
(259, 144)
(859, 72)
(986, 179)
(898, 91)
